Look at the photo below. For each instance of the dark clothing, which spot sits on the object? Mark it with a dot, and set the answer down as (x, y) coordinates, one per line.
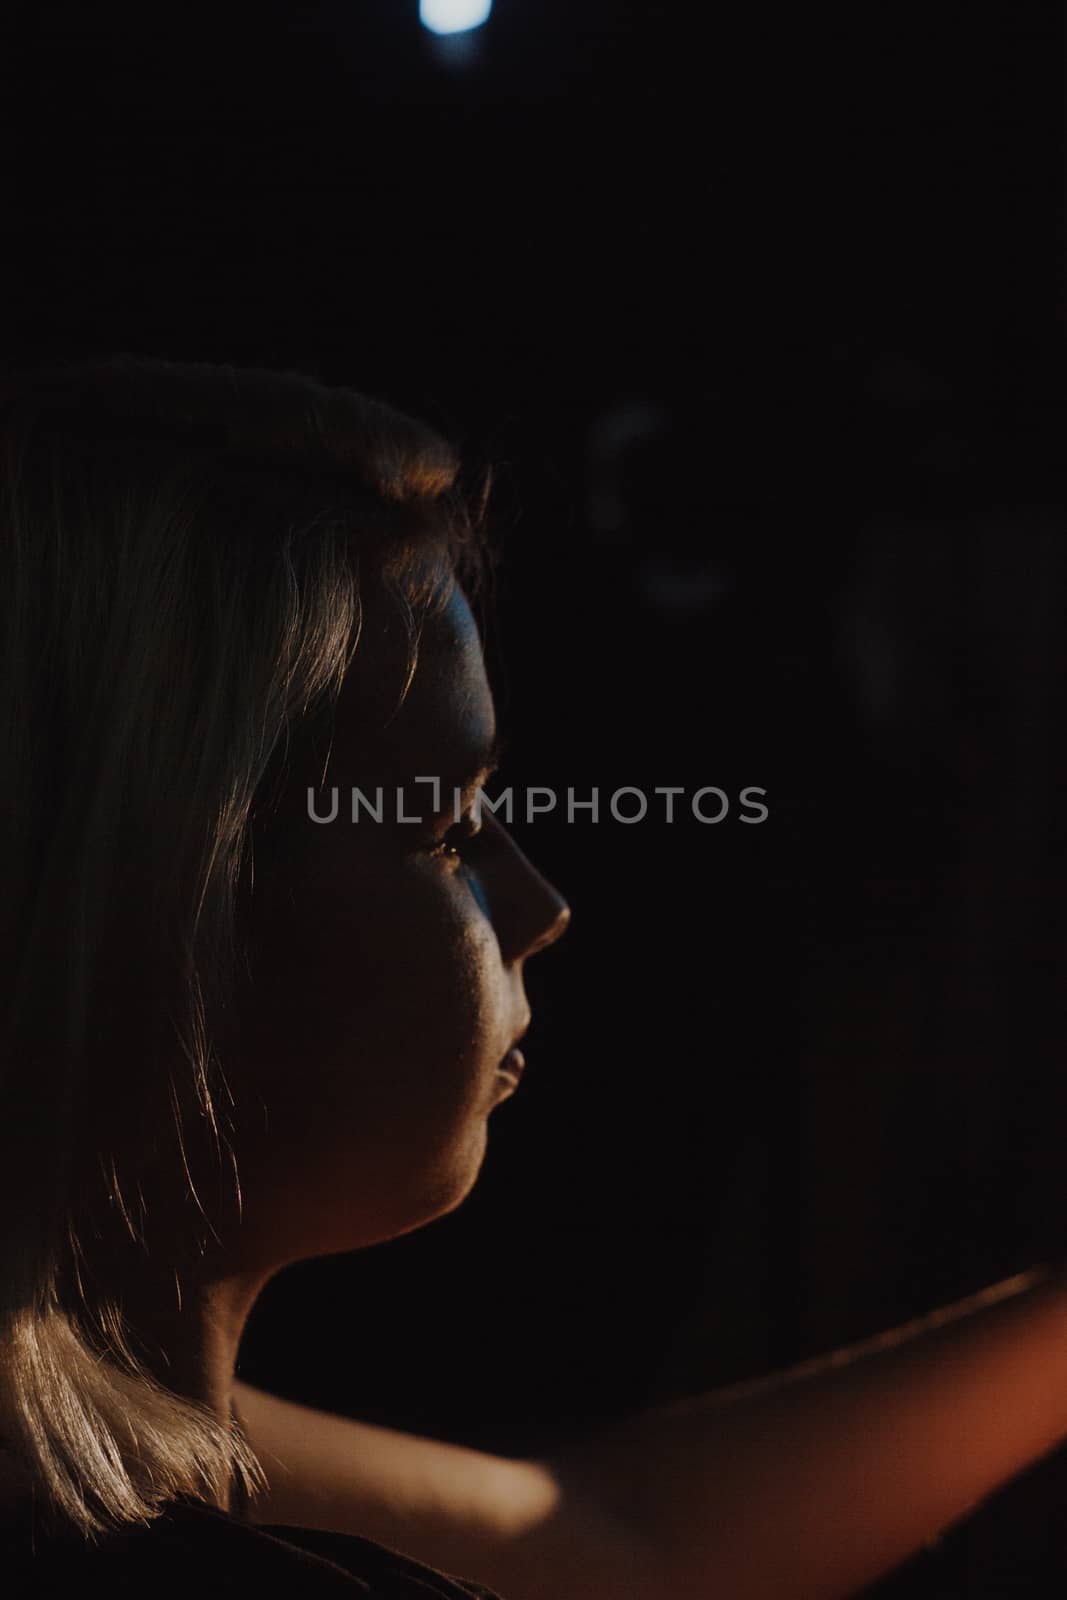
(197, 1552)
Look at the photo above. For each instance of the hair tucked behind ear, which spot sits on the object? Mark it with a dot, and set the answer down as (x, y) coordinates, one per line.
(185, 551)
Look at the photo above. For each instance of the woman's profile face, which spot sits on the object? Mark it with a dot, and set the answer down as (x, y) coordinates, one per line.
(387, 962)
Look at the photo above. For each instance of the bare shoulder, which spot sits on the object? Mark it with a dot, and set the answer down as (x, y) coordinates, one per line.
(526, 1529)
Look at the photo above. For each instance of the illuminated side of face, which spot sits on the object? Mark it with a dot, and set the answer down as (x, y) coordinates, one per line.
(388, 967)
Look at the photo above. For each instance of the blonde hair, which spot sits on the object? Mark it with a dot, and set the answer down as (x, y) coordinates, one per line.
(185, 552)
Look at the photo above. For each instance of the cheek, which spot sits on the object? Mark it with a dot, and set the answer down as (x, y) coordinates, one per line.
(369, 1068)
(385, 1000)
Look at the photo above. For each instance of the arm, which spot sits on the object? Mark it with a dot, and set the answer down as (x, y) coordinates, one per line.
(809, 1484)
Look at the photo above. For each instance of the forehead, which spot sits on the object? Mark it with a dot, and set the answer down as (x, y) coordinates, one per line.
(446, 721)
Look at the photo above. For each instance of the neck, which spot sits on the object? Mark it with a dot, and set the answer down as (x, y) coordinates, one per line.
(188, 1335)
(190, 1343)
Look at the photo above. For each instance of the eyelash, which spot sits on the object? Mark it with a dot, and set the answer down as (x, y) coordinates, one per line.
(446, 850)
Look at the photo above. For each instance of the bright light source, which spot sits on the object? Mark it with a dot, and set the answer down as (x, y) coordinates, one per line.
(453, 16)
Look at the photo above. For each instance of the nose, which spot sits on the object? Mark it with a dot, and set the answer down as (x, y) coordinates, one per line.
(528, 912)
(557, 925)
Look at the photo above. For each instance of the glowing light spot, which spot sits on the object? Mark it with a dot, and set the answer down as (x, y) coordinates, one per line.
(454, 16)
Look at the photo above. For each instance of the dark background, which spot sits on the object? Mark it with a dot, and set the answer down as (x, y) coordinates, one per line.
(760, 318)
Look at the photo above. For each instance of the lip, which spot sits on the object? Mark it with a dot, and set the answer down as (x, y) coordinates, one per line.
(513, 1065)
(523, 1030)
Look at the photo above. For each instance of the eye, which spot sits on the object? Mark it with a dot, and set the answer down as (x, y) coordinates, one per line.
(451, 847)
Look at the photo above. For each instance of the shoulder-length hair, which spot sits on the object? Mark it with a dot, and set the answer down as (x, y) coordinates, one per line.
(185, 554)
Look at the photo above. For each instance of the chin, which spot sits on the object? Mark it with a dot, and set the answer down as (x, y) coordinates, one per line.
(347, 1219)
(452, 1179)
